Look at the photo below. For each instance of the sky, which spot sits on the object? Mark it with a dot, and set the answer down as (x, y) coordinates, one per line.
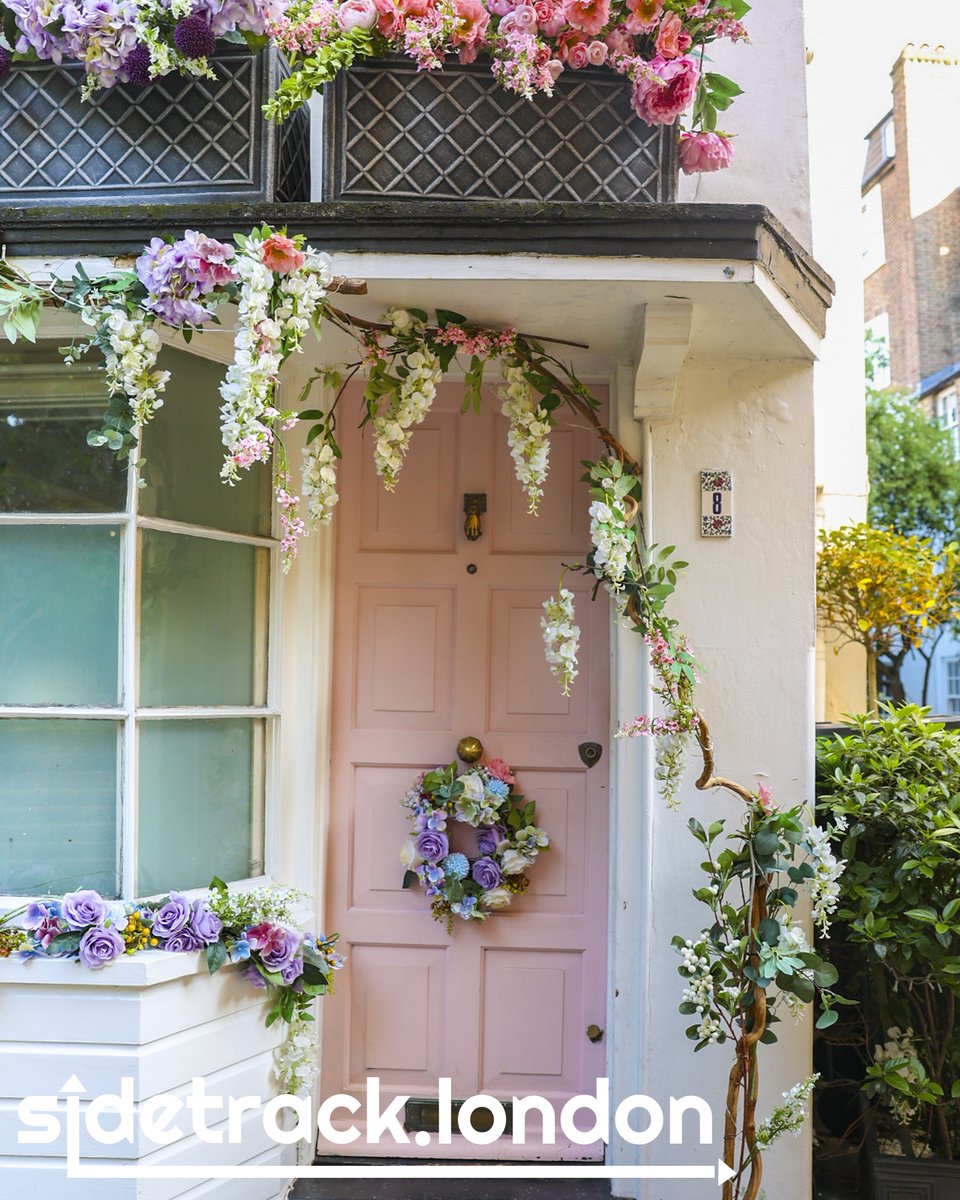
(877, 31)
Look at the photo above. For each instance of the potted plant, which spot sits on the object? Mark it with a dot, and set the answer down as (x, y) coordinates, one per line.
(891, 792)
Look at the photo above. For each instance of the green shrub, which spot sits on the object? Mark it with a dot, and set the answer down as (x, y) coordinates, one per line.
(891, 792)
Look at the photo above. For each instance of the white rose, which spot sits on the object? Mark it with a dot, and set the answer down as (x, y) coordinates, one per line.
(497, 897)
(409, 857)
(472, 787)
(513, 863)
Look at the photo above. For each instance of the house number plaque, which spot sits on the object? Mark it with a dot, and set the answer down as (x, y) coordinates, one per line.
(716, 504)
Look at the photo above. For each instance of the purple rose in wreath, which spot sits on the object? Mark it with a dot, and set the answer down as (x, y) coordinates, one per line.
(487, 840)
(100, 946)
(183, 941)
(81, 909)
(486, 873)
(432, 845)
(282, 949)
(293, 970)
(172, 917)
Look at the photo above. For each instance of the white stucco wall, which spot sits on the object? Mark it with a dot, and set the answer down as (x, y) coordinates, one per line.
(769, 120)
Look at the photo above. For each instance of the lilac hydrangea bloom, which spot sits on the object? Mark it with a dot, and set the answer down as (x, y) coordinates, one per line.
(253, 15)
(81, 909)
(178, 276)
(172, 917)
(100, 946)
(101, 33)
(253, 976)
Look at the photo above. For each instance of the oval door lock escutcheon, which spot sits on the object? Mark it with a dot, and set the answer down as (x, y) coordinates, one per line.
(594, 1033)
(590, 753)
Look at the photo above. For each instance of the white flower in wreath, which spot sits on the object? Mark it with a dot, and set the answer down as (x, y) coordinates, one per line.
(409, 856)
(512, 862)
(472, 786)
(497, 897)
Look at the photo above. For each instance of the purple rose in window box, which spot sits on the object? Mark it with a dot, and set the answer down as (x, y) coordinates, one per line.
(80, 909)
(171, 917)
(100, 946)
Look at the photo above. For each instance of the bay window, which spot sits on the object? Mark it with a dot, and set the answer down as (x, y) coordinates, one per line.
(137, 722)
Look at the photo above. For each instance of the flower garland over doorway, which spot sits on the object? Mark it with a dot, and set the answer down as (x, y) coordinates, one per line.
(752, 958)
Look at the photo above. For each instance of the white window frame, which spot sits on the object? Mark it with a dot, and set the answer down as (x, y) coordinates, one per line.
(878, 328)
(947, 406)
(871, 227)
(951, 684)
(128, 713)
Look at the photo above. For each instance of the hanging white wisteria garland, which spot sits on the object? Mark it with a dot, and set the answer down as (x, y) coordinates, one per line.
(753, 955)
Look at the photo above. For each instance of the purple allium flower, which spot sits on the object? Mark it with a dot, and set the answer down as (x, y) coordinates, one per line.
(183, 942)
(204, 924)
(81, 909)
(136, 67)
(293, 970)
(6, 61)
(172, 917)
(487, 840)
(282, 951)
(432, 845)
(194, 38)
(99, 946)
(486, 873)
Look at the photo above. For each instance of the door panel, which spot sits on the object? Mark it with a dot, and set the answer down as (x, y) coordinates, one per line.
(427, 652)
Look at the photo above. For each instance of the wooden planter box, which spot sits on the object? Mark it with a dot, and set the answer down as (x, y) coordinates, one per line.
(180, 139)
(456, 134)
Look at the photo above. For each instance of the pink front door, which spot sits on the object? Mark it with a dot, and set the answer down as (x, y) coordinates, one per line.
(437, 637)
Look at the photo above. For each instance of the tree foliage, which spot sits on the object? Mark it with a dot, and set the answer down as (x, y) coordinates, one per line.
(884, 591)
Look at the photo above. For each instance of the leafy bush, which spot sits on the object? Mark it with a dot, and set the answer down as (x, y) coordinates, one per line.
(891, 791)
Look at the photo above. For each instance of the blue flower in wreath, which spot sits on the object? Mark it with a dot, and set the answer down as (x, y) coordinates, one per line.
(496, 787)
(434, 874)
(457, 866)
(464, 908)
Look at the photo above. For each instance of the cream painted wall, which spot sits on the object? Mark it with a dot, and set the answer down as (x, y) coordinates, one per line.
(747, 604)
(770, 120)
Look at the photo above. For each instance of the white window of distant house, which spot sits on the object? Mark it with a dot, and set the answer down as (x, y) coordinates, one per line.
(888, 143)
(952, 666)
(877, 330)
(136, 724)
(871, 213)
(947, 415)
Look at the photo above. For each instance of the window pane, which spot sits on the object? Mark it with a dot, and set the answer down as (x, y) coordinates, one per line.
(184, 454)
(58, 806)
(201, 802)
(46, 409)
(203, 631)
(59, 600)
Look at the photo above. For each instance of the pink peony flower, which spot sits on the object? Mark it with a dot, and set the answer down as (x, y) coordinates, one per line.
(357, 14)
(280, 253)
(672, 38)
(597, 53)
(701, 152)
(578, 56)
(473, 21)
(644, 15)
(661, 95)
(587, 15)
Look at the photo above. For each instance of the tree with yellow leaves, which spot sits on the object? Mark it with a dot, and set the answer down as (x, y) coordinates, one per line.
(884, 592)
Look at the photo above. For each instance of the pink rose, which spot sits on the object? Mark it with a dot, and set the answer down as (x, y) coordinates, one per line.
(597, 53)
(550, 18)
(644, 15)
(357, 14)
(473, 22)
(672, 41)
(554, 68)
(588, 15)
(280, 254)
(468, 53)
(662, 93)
(700, 152)
(619, 41)
(578, 55)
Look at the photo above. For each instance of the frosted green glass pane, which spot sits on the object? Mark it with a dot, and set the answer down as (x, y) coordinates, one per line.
(201, 803)
(202, 621)
(184, 454)
(46, 409)
(58, 806)
(59, 614)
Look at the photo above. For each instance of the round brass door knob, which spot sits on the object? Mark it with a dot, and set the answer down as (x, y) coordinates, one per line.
(469, 749)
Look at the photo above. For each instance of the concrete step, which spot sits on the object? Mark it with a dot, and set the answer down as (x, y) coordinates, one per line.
(445, 1189)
